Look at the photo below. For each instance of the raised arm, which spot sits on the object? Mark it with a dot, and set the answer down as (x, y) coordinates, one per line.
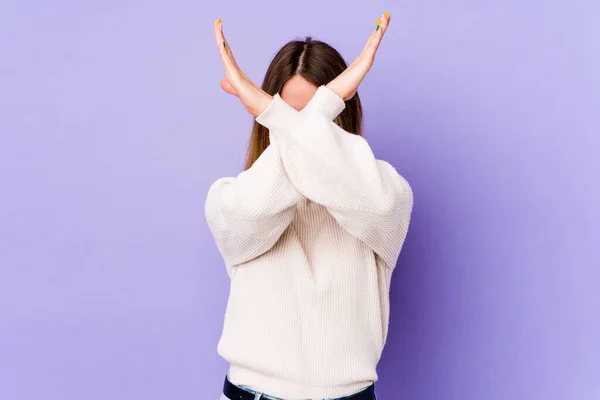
(325, 163)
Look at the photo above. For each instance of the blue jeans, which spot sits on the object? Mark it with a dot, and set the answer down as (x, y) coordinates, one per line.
(264, 396)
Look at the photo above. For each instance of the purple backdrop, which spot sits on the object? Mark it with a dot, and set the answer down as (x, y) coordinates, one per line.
(113, 126)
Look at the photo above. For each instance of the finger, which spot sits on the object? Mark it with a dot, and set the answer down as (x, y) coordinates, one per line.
(227, 46)
(385, 22)
(230, 67)
(220, 35)
(375, 39)
(218, 31)
(226, 86)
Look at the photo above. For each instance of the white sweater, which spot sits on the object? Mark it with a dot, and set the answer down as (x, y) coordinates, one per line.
(310, 235)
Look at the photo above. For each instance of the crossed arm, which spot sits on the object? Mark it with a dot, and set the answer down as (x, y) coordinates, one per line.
(309, 157)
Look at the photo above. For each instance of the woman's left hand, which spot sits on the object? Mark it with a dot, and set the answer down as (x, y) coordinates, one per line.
(346, 84)
(254, 99)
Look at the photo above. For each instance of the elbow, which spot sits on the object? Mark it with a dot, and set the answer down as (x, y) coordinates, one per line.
(398, 198)
(229, 209)
(398, 203)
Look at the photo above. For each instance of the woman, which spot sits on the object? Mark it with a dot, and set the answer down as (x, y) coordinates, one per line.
(310, 232)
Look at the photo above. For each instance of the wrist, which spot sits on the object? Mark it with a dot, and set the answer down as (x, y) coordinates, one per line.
(333, 87)
(263, 103)
(326, 102)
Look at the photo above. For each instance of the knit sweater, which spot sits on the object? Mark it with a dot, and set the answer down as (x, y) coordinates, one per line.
(310, 235)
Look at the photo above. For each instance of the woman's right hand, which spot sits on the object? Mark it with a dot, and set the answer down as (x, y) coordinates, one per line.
(236, 83)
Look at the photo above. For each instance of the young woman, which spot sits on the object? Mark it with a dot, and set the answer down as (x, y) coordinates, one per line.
(310, 232)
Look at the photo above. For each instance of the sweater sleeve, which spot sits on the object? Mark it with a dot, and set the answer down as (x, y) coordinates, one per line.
(338, 170)
(247, 214)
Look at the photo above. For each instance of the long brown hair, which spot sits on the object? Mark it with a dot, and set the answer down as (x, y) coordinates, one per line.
(319, 64)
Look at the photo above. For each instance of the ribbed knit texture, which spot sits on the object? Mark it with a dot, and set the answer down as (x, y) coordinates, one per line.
(310, 235)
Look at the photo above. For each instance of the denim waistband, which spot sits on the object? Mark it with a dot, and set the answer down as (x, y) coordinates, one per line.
(261, 396)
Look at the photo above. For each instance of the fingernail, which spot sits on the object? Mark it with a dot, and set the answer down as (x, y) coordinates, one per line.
(378, 23)
(224, 44)
(387, 14)
(218, 20)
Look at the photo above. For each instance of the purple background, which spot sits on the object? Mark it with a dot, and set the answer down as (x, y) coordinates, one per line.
(113, 126)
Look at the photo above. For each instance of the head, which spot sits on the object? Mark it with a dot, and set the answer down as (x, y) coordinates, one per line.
(296, 72)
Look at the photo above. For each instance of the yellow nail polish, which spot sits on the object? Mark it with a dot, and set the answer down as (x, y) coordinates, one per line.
(218, 20)
(378, 21)
(387, 14)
